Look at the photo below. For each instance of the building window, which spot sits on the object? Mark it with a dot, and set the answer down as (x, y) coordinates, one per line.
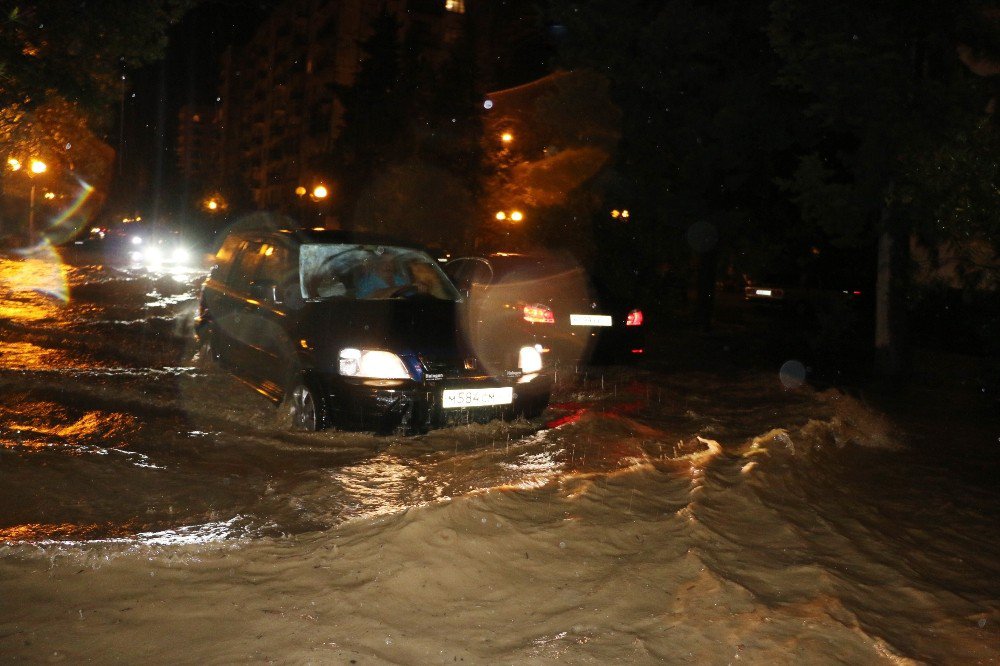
(457, 6)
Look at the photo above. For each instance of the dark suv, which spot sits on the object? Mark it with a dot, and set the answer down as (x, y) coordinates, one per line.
(359, 332)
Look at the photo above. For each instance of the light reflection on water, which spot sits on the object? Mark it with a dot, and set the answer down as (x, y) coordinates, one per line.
(40, 271)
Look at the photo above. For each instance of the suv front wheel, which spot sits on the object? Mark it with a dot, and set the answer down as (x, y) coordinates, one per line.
(304, 408)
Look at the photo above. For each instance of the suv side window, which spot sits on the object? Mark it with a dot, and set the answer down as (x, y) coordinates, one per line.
(466, 273)
(224, 257)
(245, 267)
(279, 266)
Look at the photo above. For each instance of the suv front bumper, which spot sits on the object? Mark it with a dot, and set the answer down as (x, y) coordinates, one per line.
(388, 406)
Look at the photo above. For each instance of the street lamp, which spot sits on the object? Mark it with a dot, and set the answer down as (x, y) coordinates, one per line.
(320, 192)
(513, 216)
(37, 167)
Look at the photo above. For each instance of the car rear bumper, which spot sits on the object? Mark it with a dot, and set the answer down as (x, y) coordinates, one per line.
(582, 345)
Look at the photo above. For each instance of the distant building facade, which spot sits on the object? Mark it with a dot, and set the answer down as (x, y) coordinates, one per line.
(197, 142)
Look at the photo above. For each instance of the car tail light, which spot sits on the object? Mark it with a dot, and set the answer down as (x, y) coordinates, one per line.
(634, 318)
(538, 314)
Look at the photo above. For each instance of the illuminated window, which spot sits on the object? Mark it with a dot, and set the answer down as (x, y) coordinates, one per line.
(457, 6)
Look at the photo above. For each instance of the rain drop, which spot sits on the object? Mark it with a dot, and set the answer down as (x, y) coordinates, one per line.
(792, 374)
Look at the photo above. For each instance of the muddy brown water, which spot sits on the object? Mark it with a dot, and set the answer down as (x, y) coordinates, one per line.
(152, 512)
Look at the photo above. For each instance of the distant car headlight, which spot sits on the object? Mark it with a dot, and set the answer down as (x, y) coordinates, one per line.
(529, 360)
(136, 256)
(153, 255)
(136, 240)
(371, 364)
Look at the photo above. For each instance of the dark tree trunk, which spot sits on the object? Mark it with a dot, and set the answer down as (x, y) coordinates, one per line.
(892, 352)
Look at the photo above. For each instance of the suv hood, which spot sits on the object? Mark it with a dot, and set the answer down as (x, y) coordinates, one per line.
(428, 328)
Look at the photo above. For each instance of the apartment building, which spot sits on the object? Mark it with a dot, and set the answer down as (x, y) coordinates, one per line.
(197, 142)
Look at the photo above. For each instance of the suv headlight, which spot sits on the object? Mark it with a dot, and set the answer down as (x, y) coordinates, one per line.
(529, 360)
(371, 364)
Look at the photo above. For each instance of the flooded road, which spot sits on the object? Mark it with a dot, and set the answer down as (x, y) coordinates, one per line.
(152, 511)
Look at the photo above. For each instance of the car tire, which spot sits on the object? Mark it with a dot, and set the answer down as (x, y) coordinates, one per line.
(304, 408)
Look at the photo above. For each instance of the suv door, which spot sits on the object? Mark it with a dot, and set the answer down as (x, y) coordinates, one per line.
(236, 316)
(271, 322)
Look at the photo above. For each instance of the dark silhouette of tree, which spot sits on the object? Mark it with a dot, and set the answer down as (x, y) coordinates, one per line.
(79, 50)
(704, 133)
(886, 77)
(408, 159)
(377, 110)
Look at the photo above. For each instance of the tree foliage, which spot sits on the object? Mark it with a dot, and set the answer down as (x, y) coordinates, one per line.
(704, 131)
(78, 50)
(410, 137)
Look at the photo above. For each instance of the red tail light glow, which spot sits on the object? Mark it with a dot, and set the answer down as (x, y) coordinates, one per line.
(538, 314)
(634, 318)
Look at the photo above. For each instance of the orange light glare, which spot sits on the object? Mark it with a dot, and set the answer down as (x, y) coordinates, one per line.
(37, 166)
(516, 216)
(320, 192)
(506, 137)
(14, 164)
(501, 215)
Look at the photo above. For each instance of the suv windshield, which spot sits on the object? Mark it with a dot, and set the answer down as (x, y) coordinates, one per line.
(370, 272)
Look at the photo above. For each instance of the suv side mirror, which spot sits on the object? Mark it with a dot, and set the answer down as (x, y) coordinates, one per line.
(265, 291)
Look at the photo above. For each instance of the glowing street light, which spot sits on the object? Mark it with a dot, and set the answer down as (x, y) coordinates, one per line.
(36, 167)
(506, 137)
(513, 216)
(215, 203)
(320, 192)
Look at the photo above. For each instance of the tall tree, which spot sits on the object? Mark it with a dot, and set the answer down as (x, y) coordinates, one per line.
(78, 50)
(885, 79)
(703, 131)
(376, 111)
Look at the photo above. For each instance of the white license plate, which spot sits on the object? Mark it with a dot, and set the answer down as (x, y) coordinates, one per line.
(763, 292)
(589, 320)
(483, 397)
